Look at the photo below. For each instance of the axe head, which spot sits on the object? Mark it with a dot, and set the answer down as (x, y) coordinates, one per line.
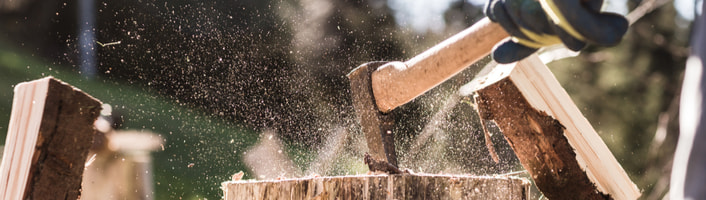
(377, 126)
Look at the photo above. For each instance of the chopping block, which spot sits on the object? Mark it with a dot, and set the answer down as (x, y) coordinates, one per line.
(397, 186)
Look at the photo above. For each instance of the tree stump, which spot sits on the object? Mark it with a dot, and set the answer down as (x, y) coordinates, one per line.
(398, 186)
(50, 132)
(552, 139)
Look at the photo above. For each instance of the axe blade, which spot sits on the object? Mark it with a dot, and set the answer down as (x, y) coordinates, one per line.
(377, 126)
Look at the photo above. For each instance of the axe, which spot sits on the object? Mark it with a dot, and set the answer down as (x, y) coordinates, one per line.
(377, 88)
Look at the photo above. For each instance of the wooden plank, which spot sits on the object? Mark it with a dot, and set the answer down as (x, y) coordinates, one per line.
(50, 132)
(398, 186)
(550, 136)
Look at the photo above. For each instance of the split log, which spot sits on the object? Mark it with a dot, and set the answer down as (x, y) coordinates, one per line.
(552, 139)
(50, 132)
(398, 186)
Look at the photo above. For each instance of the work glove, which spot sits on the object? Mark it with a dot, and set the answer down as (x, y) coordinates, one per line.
(533, 24)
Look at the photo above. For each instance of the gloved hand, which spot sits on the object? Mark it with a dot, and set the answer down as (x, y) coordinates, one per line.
(533, 24)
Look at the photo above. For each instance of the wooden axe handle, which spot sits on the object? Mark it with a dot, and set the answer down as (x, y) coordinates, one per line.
(397, 83)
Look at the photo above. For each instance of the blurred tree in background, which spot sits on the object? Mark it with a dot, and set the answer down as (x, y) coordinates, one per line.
(281, 65)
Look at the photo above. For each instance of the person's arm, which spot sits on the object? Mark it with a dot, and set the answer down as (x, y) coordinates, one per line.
(534, 24)
(688, 179)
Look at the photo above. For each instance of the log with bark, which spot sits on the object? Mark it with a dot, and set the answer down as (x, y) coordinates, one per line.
(50, 132)
(552, 139)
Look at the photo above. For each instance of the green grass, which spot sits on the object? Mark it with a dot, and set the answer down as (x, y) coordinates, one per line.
(215, 146)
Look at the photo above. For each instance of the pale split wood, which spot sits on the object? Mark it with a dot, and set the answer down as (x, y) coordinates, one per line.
(544, 93)
(397, 83)
(398, 186)
(27, 108)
